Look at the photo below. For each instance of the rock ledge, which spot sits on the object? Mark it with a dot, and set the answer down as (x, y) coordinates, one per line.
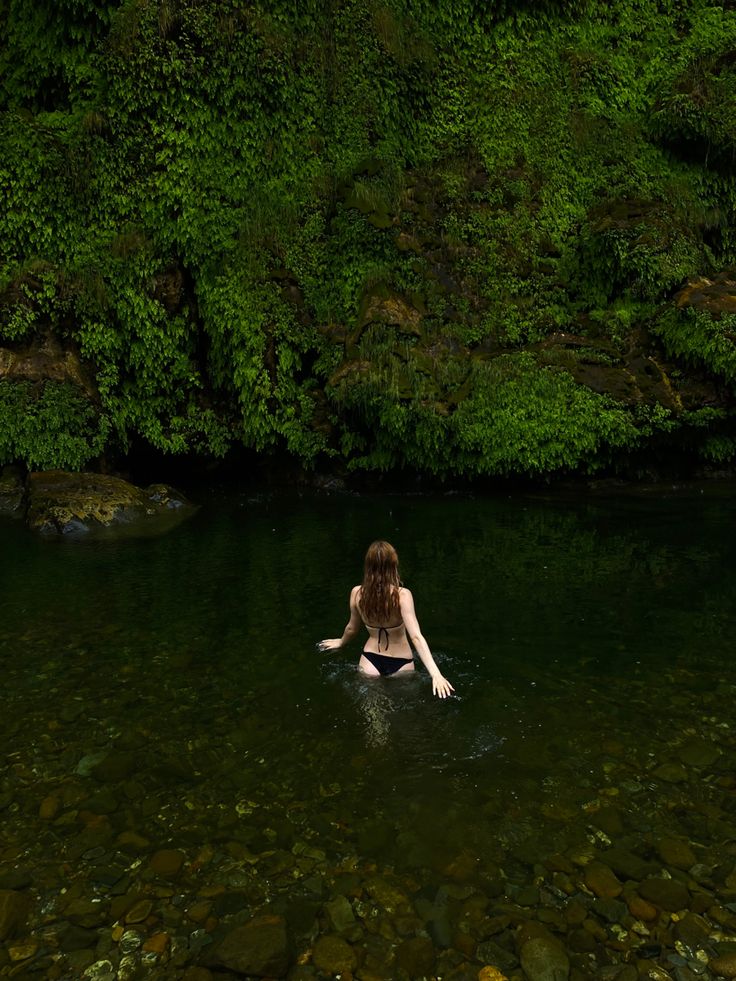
(69, 504)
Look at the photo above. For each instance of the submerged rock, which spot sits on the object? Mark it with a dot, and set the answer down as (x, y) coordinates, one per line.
(544, 960)
(602, 881)
(333, 955)
(167, 862)
(677, 853)
(139, 912)
(260, 948)
(100, 971)
(491, 974)
(671, 772)
(13, 913)
(668, 894)
(340, 914)
(627, 864)
(698, 752)
(416, 957)
(692, 930)
(724, 966)
(110, 767)
(62, 503)
(385, 892)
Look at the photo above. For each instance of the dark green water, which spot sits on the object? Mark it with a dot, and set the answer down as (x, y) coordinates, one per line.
(588, 640)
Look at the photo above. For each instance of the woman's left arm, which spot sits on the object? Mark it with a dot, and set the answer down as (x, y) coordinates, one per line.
(351, 628)
(440, 685)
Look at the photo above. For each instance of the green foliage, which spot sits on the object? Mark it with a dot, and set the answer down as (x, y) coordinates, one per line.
(696, 111)
(49, 426)
(719, 448)
(701, 340)
(510, 416)
(34, 303)
(45, 60)
(520, 418)
(256, 355)
(200, 196)
(638, 249)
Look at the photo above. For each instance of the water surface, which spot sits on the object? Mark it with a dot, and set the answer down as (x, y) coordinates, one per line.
(588, 640)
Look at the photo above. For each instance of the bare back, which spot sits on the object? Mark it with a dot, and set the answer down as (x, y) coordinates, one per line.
(388, 639)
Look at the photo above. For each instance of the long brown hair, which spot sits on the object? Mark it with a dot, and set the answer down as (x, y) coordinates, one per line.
(378, 598)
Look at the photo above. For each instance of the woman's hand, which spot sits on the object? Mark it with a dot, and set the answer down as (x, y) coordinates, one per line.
(330, 645)
(441, 686)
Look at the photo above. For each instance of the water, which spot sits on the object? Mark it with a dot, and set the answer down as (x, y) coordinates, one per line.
(171, 688)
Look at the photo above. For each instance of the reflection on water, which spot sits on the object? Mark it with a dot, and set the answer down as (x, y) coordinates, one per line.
(165, 696)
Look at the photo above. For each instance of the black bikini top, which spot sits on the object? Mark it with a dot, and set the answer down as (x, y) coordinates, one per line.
(384, 631)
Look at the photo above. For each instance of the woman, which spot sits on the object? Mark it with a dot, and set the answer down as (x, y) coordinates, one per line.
(386, 609)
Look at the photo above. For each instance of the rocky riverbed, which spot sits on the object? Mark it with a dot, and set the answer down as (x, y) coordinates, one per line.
(130, 851)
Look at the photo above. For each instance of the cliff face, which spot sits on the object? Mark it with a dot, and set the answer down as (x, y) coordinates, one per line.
(458, 237)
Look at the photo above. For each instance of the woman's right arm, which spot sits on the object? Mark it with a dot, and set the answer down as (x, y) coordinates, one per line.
(351, 628)
(440, 686)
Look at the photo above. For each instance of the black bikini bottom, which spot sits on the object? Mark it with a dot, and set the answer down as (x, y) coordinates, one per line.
(386, 665)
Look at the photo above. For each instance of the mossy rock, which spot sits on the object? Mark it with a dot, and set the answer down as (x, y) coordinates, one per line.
(634, 377)
(405, 242)
(380, 219)
(45, 359)
(624, 213)
(385, 306)
(348, 373)
(62, 503)
(607, 380)
(716, 296)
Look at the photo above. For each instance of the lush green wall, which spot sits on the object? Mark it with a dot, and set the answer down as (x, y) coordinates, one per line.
(440, 234)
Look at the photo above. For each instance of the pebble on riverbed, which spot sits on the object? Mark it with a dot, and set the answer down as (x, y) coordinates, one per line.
(332, 955)
(167, 862)
(724, 966)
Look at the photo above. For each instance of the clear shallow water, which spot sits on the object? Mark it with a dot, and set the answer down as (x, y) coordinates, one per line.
(588, 642)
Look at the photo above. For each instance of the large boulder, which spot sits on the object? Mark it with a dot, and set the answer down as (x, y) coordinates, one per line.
(61, 503)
